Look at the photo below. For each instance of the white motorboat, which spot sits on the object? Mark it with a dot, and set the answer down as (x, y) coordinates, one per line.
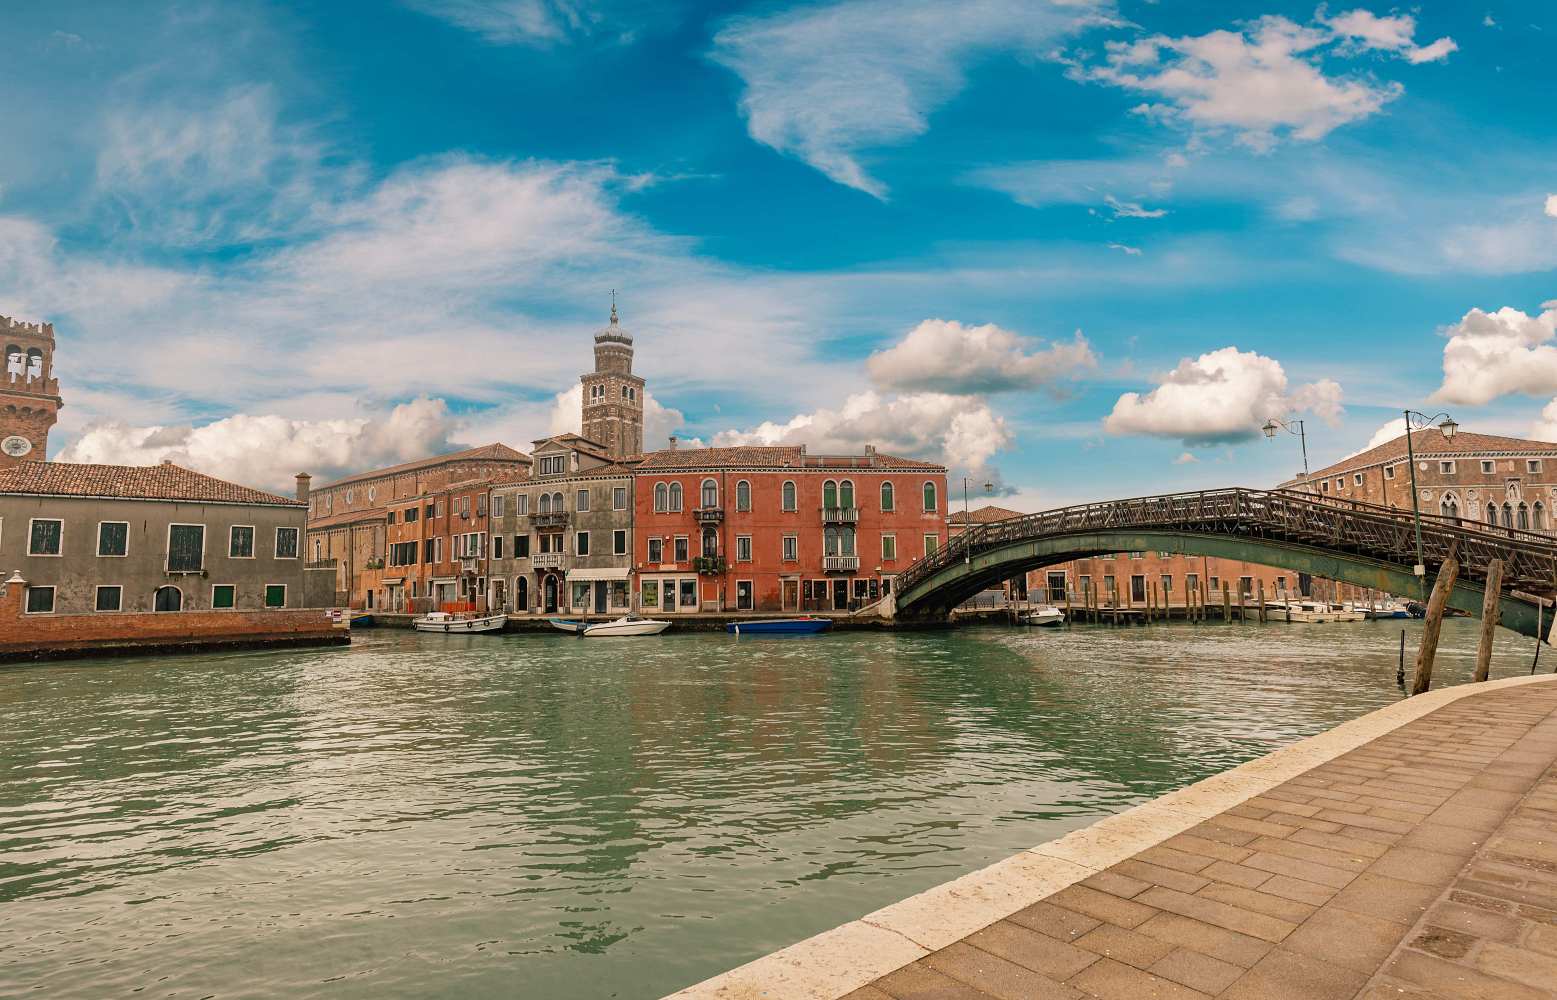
(443, 621)
(625, 626)
(1046, 614)
(567, 624)
(1309, 612)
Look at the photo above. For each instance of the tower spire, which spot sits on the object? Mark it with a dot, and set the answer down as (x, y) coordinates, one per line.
(613, 307)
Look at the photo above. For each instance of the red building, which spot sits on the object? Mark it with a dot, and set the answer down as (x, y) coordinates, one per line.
(435, 551)
(774, 529)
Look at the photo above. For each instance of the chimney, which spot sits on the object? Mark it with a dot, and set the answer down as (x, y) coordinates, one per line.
(673, 442)
(303, 479)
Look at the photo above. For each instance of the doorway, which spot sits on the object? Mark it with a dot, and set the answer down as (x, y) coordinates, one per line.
(600, 597)
(521, 594)
(840, 595)
(168, 599)
(551, 595)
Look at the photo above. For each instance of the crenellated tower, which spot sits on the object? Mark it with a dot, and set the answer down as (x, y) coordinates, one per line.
(29, 393)
(613, 395)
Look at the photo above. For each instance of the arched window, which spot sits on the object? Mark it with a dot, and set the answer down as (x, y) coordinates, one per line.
(543, 506)
(830, 542)
(167, 599)
(1508, 516)
(557, 504)
(710, 493)
(710, 543)
(887, 499)
(661, 498)
(743, 495)
(1524, 517)
(789, 494)
(1492, 512)
(1538, 517)
(930, 506)
(829, 494)
(1449, 506)
(846, 494)
(675, 497)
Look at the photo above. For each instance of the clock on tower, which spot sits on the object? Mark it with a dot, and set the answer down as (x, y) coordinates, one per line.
(29, 392)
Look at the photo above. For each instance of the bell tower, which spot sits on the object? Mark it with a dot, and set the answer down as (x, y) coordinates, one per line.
(613, 395)
(29, 392)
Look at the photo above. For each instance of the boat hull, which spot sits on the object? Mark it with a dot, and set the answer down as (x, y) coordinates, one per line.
(624, 628)
(566, 625)
(780, 626)
(460, 626)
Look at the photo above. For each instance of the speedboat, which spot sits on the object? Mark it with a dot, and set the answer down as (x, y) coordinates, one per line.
(443, 621)
(1307, 611)
(567, 624)
(781, 626)
(1046, 615)
(625, 626)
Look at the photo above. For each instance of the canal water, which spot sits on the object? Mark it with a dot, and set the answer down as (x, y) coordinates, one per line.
(529, 816)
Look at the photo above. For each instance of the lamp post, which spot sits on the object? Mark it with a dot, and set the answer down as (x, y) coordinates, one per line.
(1421, 421)
(1274, 424)
(967, 524)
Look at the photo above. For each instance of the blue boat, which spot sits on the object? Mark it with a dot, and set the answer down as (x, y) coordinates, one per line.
(361, 619)
(780, 626)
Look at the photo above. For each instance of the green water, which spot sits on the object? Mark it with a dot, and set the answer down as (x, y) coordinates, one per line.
(546, 817)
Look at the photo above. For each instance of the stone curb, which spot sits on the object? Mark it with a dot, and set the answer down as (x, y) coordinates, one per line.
(837, 962)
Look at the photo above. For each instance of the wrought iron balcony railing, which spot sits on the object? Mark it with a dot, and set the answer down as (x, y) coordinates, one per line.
(550, 519)
(709, 515)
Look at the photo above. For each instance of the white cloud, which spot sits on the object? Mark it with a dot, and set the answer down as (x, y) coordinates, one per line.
(1132, 210)
(1220, 396)
(1041, 183)
(1127, 250)
(1262, 82)
(659, 421)
(824, 82)
(1395, 34)
(947, 357)
(961, 432)
(1494, 354)
(536, 22)
(1185, 458)
(1551, 206)
(1389, 432)
(1545, 427)
(267, 451)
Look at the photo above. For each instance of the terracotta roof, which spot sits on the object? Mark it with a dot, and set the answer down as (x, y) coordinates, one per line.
(131, 482)
(774, 457)
(489, 452)
(1431, 443)
(608, 471)
(984, 515)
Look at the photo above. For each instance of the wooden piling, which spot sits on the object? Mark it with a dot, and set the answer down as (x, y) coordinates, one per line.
(1204, 599)
(1067, 606)
(1242, 615)
(1262, 602)
(1489, 618)
(1114, 603)
(1227, 605)
(1432, 625)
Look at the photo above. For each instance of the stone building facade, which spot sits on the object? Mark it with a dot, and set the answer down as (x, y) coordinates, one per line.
(29, 394)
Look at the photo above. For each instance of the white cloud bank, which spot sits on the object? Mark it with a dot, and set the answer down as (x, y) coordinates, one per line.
(1224, 395)
(1394, 34)
(1499, 353)
(947, 357)
(659, 421)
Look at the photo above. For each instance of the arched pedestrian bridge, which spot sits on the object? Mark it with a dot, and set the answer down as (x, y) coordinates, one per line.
(1356, 543)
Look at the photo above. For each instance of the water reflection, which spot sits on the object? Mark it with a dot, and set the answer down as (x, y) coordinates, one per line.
(475, 816)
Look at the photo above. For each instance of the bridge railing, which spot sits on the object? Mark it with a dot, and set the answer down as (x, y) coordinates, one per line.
(1385, 533)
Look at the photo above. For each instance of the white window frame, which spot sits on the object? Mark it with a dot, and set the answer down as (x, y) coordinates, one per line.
(1389, 472)
(234, 587)
(1357, 479)
(46, 555)
(648, 553)
(167, 548)
(932, 544)
(619, 535)
(793, 490)
(253, 541)
(619, 492)
(892, 556)
(1488, 467)
(581, 501)
(107, 586)
(171, 586)
(265, 597)
(51, 588)
(498, 506)
(936, 493)
(789, 550)
(521, 504)
(738, 556)
(100, 553)
(751, 589)
(1532, 466)
(275, 549)
(497, 547)
(1446, 467)
(585, 536)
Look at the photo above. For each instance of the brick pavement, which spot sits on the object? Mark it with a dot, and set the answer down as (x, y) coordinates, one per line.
(1420, 866)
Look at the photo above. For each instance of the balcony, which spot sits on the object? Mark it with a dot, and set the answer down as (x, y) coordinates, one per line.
(548, 560)
(840, 515)
(709, 515)
(840, 564)
(469, 564)
(709, 565)
(550, 519)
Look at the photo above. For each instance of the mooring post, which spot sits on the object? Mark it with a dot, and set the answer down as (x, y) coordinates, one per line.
(1242, 615)
(1204, 600)
(1432, 625)
(1400, 671)
(1067, 605)
(1489, 618)
(1539, 607)
(1262, 602)
(1227, 605)
(1114, 602)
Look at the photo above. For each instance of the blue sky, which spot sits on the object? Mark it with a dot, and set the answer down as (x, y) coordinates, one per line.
(1077, 249)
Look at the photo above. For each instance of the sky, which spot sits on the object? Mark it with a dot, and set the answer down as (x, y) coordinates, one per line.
(1074, 250)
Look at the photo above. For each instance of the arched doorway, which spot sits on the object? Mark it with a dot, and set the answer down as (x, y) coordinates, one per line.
(550, 592)
(168, 599)
(499, 598)
(521, 594)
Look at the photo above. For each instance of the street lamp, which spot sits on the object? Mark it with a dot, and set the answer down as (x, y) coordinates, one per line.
(967, 524)
(1274, 424)
(1421, 421)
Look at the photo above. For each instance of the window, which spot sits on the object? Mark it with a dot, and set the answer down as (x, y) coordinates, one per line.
(829, 494)
(1216, 584)
(429, 551)
(743, 595)
(1524, 517)
(682, 549)
(44, 537)
(1538, 517)
(743, 495)
(224, 595)
(1492, 513)
(931, 544)
(372, 494)
(887, 498)
(581, 543)
(409, 515)
(113, 538)
(1449, 506)
(186, 548)
(1357, 479)
(661, 498)
(619, 542)
(481, 504)
(888, 548)
(275, 595)
(650, 594)
(240, 541)
(788, 495)
(402, 554)
(583, 500)
(619, 498)
(710, 493)
(40, 600)
(1488, 468)
(498, 506)
(846, 494)
(286, 543)
(791, 548)
(349, 495)
(1192, 583)
(390, 518)
(439, 505)
(1446, 468)
(1532, 465)
(430, 510)
(710, 541)
(167, 599)
(109, 598)
(1508, 516)
(675, 497)
(930, 505)
(544, 506)
(1324, 486)
(497, 546)
(1167, 586)
(1340, 483)
(521, 546)
(521, 504)
(553, 465)
(656, 550)
(318, 550)
(743, 548)
(1389, 472)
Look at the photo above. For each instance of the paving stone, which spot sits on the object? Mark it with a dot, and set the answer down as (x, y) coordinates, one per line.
(1197, 935)
(1366, 821)
(1032, 950)
(1258, 901)
(1327, 856)
(1124, 946)
(1224, 915)
(1308, 871)
(1443, 942)
(1223, 871)
(1198, 972)
(995, 976)
(1454, 980)
(1411, 864)
(1518, 964)
(1387, 898)
(1354, 940)
(1296, 889)
(1116, 884)
(1167, 857)
(1469, 817)
(1112, 980)
(920, 982)
(1444, 839)
(867, 993)
(1475, 922)
(1056, 921)
(1123, 912)
(1285, 975)
(1354, 846)
(1191, 844)
(1158, 875)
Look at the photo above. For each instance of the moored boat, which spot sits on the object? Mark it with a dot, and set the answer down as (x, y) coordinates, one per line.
(628, 625)
(567, 624)
(807, 625)
(361, 619)
(443, 621)
(1046, 615)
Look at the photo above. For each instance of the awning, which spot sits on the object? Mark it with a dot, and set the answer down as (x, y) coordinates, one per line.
(598, 574)
(393, 581)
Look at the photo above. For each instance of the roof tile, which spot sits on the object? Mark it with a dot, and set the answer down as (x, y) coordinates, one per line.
(131, 482)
